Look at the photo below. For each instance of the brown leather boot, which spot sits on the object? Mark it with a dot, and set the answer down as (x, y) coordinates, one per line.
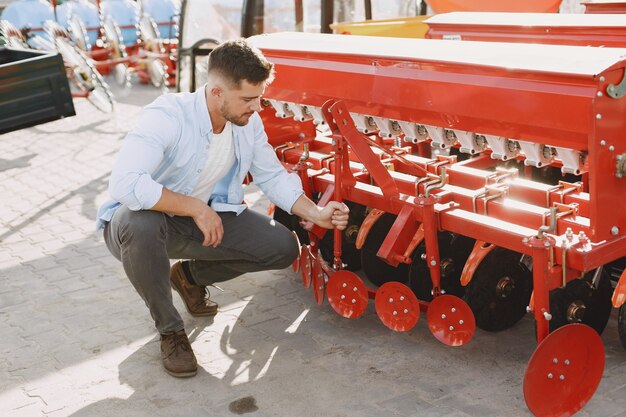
(195, 297)
(177, 355)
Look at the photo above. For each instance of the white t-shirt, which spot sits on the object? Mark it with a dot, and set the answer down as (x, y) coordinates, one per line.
(221, 155)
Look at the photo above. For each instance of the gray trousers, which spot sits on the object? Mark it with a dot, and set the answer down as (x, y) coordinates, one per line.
(145, 240)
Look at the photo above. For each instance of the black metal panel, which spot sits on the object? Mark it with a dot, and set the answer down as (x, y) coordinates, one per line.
(252, 18)
(327, 16)
(33, 89)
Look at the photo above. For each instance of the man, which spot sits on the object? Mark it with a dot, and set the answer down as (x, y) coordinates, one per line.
(190, 149)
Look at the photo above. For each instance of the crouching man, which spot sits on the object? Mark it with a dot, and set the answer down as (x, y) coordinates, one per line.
(177, 193)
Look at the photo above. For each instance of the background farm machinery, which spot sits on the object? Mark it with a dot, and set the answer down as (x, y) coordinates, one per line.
(482, 179)
(116, 37)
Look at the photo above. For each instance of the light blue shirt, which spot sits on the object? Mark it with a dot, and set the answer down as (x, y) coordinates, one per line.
(168, 148)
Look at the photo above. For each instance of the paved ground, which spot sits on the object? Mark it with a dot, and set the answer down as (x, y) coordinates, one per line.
(75, 339)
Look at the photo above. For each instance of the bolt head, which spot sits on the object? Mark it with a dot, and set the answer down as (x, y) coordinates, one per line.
(562, 377)
(453, 310)
(566, 362)
(390, 300)
(406, 311)
(433, 262)
(443, 316)
(602, 142)
(598, 116)
(343, 297)
(461, 322)
(451, 328)
(344, 285)
(395, 313)
(353, 301)
(555, 360)
(614, 230)
(611, 148)
(402, 298)
(550, 376)
(355, 289)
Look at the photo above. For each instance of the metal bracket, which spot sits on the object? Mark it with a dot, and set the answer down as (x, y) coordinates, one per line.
(305, 153)
(620, 166)
(548, 228)
(436, 186)
(619, 90)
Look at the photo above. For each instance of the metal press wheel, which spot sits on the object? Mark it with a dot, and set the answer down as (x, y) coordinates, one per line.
(621, 324)
(375, 269)
(500, 290)
(155, 67)
(85, 77)
(586, 300)
(113, 36)
(157, 72)
(149, 32)
(454, 249)
(78, 33)
(12, 37)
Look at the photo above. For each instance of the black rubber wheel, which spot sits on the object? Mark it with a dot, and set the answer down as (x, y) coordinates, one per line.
(454, 250)
(500, 290)
(375, 269)
(621, 324)
(350, 255)
(580, 302)
(616, 268)
(291, 222)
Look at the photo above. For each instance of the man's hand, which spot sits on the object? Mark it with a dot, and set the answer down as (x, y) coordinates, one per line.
(210, 224)
(333, 215)
(207, 220)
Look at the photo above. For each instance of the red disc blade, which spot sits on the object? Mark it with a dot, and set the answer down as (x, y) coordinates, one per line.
(451, 320)
(319, 280)
(397, 306)
(296, 263)
(306, 265)
(347, 294)
(564, 371)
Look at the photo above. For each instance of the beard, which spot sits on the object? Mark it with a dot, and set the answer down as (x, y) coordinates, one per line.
(238, 120)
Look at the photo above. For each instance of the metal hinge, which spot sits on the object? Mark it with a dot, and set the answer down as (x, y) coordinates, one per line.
(619, 90)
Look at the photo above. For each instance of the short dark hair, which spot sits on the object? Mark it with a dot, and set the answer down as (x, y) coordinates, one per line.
(237, 60)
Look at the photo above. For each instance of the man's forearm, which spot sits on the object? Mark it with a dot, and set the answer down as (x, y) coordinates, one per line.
(306, 209)
(178, 204)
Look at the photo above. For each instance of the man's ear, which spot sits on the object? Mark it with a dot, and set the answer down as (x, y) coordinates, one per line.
(216, 91)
